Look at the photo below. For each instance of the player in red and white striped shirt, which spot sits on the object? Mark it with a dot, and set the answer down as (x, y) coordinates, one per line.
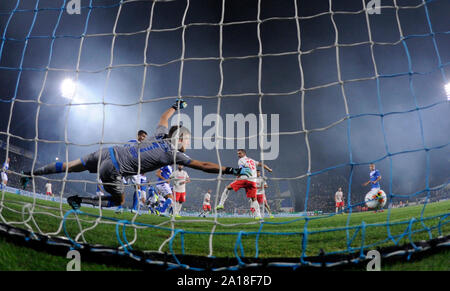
(247, 182)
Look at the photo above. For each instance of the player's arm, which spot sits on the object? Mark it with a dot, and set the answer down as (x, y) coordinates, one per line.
(158, 174)
(164, 119)
(214, 168)
(265, 167)
(377, 180)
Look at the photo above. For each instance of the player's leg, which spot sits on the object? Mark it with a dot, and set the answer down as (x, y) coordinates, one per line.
(166, 191)
(112, 184)
(250, 189)
(266, 205)
(226, 191)
(135, 201)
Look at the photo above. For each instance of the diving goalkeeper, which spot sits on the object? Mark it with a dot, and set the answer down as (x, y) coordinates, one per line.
(166, 147)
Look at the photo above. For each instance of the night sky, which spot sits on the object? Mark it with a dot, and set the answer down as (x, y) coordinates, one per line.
(389, 106)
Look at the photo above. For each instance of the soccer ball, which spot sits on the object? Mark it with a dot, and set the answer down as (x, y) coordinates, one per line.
(375, 199)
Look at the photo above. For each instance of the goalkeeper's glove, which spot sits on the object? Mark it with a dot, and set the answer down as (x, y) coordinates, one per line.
(239, 171)
(179, 103)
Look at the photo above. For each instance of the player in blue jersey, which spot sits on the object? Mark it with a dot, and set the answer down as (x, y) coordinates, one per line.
(374, 180)
(375, 177)
(166, 147)
(5, 170)
(164, 188)
(152, 200)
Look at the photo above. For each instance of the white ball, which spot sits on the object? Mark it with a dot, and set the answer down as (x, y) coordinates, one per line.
(375, 199)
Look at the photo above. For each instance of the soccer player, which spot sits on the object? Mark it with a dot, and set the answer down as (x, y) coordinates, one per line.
(48, 189)
(152, 200)
(339, 200)
(246, 181)
(166, 147)
(180, 178)
(139, 196)
(5, 170)
(261, 186)
(206, 203)
(164, 188)
(374, 179)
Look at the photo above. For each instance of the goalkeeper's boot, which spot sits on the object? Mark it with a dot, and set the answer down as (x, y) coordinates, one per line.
(74, 202)
(119, 210)
(220, 207)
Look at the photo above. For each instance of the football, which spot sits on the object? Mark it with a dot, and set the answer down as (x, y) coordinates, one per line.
(375, 199)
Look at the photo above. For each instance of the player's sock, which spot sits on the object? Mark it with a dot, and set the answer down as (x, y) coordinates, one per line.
(255, 206)
(224, 197)
(135, 200)
(105, 201)
(52, 168)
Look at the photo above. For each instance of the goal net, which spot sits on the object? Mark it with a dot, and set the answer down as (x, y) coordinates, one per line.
(319, 91)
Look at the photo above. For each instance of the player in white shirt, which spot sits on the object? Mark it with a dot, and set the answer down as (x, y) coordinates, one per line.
(48, 189)
(261, 186)
(5, 170)
(179, 179)
(339, 199)
(246, 181)
(206, 203)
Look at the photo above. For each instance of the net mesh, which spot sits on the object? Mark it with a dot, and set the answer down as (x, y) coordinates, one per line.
(171, 235)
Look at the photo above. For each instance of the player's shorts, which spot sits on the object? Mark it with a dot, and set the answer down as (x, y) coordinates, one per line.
(249, 186)
(261, 198)
(4, 177)
(164, 189)
(207, 207)
(111, 178)
(90, 161)
(48, 193)
(340, 204)
(180, 197)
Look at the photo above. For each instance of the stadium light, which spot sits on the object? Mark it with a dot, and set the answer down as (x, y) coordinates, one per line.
(447, 90)
(68, 88)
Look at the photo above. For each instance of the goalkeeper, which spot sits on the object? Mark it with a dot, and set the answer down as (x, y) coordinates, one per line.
(166, 147)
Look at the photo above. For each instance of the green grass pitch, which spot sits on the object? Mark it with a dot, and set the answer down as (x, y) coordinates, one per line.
(278, 237)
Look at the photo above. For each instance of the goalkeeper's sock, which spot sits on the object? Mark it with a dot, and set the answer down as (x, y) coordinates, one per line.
(224, 197)
(52, 168)
(105, 201)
